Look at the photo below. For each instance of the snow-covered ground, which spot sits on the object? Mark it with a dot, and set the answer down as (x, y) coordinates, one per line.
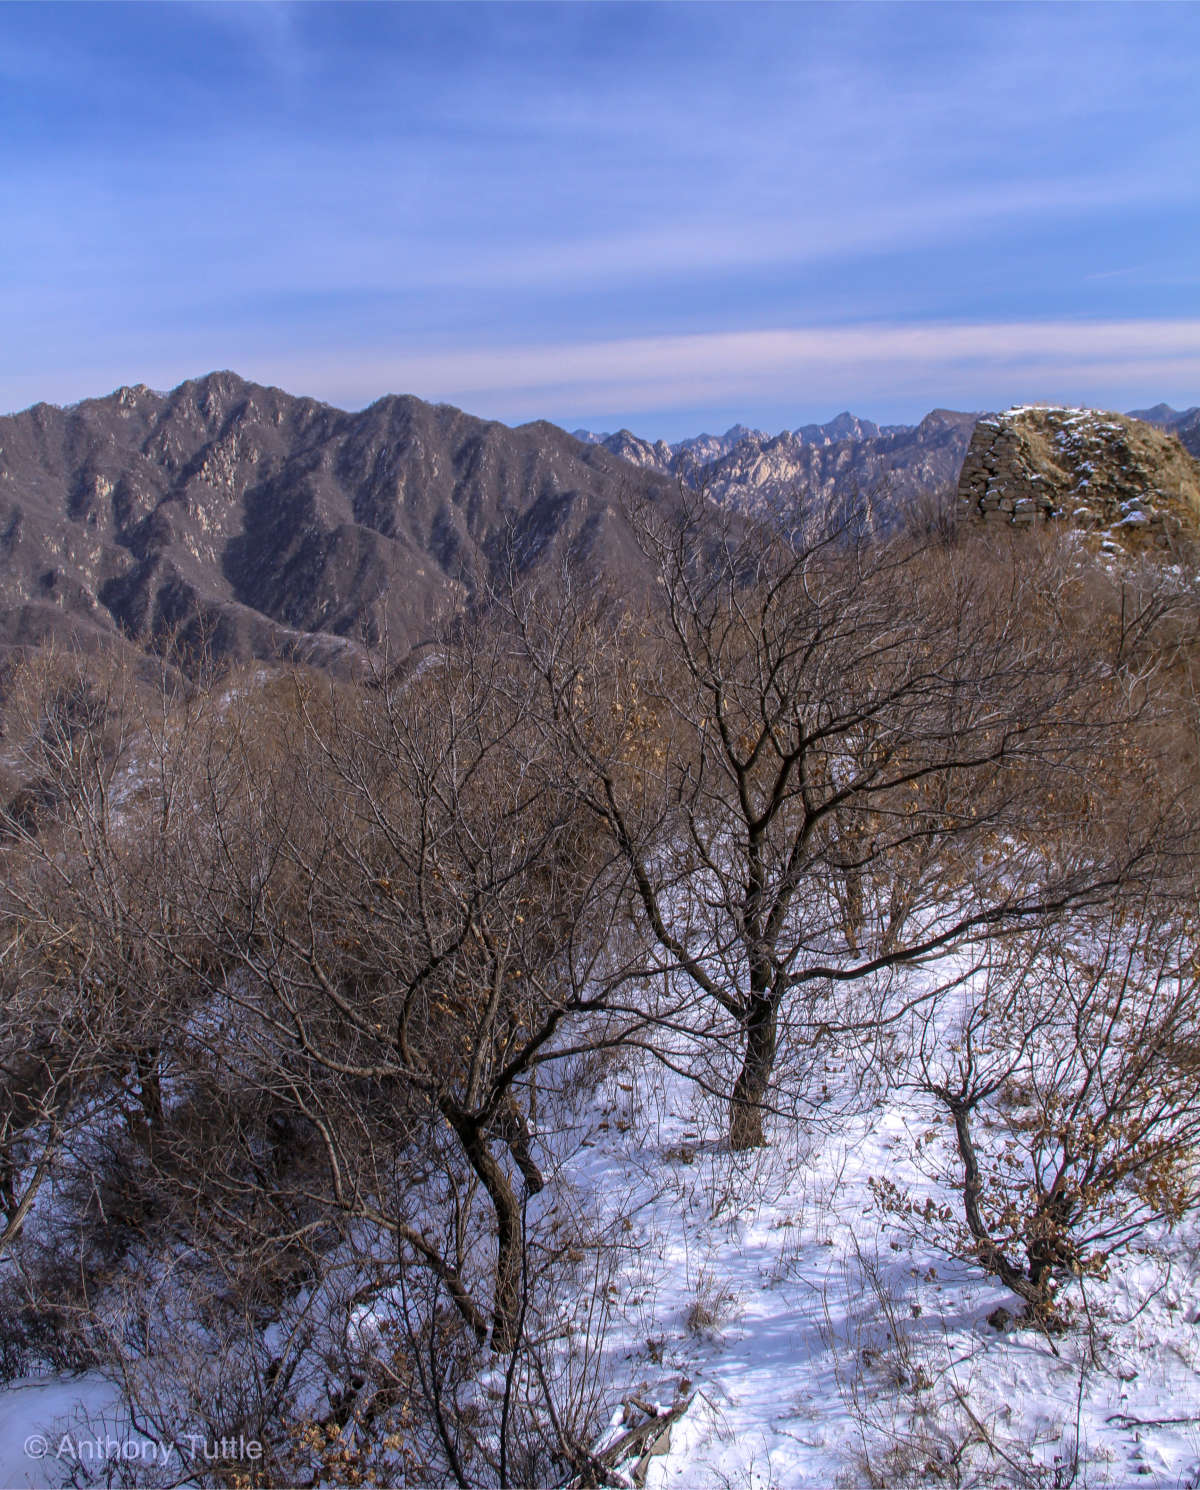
(824, 1346)
(40, 1441)
(820, 1342)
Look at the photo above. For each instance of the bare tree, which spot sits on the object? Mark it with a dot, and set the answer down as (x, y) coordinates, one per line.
(68, 724)
(303, 954)
(406, 916)
(824, 755)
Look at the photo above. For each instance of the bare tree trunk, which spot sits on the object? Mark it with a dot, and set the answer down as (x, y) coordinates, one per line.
(514, 1130)
(750, 1088)
(145, 1118)
(506, 1284)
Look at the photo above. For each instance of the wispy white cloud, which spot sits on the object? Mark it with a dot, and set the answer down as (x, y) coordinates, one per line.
(956, 362)
(498, 195)
(279, 234)
(876, 368)
(688, 244)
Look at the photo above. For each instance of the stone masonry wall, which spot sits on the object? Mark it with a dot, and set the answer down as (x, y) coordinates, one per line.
(1129, 484)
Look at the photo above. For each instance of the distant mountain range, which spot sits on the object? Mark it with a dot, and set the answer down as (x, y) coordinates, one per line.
(705, 448)
(280, 527)
(755, 472)
(1183, 424)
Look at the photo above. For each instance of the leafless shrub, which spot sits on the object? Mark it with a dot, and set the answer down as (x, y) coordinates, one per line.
(318, 948)
(713, 1305)
(1071, 1083)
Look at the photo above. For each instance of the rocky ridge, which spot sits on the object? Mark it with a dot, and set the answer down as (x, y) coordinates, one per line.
(1131, 485)
(705, 449)
(900, 465)
(758, 474)
(279, 526)
(663, 456)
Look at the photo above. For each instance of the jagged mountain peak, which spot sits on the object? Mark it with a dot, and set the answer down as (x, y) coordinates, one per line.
(684, 456)
(902, 461)
(279, 524)
(286, 526)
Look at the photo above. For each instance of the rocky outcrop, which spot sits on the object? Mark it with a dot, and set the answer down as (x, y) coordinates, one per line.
(1132, 486)
(698, 450)
(658, 456)
(705, 448)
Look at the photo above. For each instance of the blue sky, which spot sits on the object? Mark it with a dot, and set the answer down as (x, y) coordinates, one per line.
(670, 217)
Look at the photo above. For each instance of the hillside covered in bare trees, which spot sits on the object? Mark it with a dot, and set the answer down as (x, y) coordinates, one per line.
(455, 1069)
